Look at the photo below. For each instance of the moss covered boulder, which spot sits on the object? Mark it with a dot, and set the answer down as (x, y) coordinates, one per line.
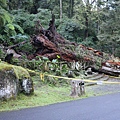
(13, 80)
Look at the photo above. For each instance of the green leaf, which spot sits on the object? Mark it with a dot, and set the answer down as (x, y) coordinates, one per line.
(18, 28)
(10, 26)
(4, 17)
(58, 56)
(2, 21)
(7, 17)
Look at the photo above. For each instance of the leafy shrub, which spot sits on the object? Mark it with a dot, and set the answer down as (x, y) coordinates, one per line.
(27, 21)
(2, 54)
(70, 30)
(89, 42)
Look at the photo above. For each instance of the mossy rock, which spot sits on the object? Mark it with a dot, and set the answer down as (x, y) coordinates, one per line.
(19, 71)
(8, 84)
(13, 80)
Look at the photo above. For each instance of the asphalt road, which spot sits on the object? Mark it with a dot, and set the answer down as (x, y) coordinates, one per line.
(95, 108)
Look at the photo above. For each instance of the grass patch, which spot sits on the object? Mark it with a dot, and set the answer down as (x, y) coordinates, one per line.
(45, 95)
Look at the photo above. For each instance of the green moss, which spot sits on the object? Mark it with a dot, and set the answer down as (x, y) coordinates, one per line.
(4, 66)
(19, 71)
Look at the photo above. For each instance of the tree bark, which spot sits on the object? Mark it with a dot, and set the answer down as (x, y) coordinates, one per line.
(49, 43)
(60, 10)
(86, 29)
(71, 6)
(106, 70)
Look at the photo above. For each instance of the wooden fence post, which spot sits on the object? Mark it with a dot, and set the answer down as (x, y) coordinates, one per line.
(77, 88)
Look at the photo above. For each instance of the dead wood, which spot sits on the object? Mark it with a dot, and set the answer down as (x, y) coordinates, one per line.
(110, 72)
(16, 45)
(49, 43)
(105, 70)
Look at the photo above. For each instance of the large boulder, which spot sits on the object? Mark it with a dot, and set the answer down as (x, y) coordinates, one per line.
(13, 80)
(8, 84)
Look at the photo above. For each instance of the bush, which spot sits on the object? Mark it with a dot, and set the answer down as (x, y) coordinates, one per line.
(70, 30)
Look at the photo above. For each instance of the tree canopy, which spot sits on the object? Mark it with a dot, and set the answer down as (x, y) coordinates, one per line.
(94, 23)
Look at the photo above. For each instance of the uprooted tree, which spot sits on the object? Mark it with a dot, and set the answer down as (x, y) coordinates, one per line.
(50, 44)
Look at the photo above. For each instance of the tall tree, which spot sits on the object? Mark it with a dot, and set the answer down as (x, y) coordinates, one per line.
(86, 15)
(71, 8)
(20, 4)
(60, 10)
(109, 33)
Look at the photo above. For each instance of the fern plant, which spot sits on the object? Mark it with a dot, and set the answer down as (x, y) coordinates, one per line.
(8, 27)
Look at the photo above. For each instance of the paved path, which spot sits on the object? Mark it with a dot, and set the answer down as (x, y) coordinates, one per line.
(95, 108)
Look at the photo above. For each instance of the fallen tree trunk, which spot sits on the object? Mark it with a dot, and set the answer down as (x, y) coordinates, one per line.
(110, 69)
(16, 45)
(105, 71)
(49, 43)
(110, 73)
(51, 50)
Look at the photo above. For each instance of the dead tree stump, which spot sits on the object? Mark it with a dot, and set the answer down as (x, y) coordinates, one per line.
(77, 88)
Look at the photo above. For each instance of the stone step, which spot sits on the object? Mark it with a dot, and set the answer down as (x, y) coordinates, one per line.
(104, 78)
(90, 76)
(96, 77)
(100, 78)
(90, 84)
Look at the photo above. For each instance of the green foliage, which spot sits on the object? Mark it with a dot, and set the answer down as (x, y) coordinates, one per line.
(70, 30)
(20, 4)
(10, 26)
(44, 15)
(18, 28)
(24, 20)
(4, 17)
(2, 54)
(109, 33)
(27, 21)
(117, 52)
(89, 21)
(25, 48)
(2, 2)
(7, 29)
(89, 42)
(19, 38)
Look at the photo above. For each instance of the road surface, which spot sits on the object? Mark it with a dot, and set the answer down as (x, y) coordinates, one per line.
(105, 107)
